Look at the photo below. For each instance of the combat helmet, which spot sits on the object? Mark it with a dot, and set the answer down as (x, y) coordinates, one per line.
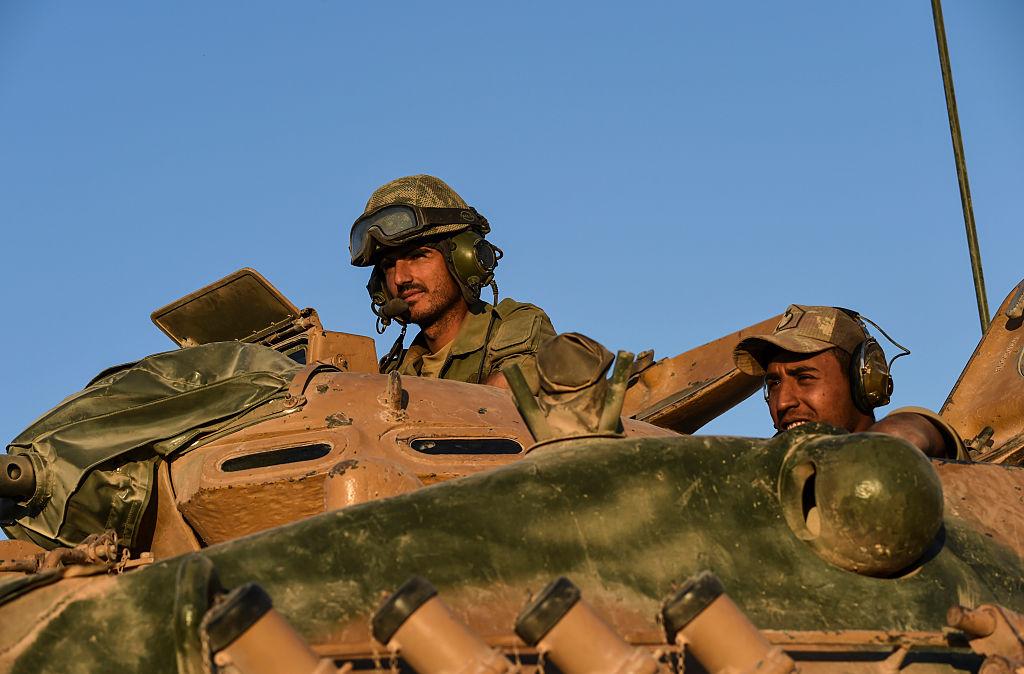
(423, 209)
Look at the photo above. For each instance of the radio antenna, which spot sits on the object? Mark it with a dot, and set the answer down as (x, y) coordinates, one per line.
(961, 166)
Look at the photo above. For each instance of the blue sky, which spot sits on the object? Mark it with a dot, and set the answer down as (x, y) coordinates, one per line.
(658, 174)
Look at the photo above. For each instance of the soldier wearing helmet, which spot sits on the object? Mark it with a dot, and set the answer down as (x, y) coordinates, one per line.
(821, 364)
(430, 262)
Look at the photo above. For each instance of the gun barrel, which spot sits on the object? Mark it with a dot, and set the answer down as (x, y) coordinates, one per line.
(17, 478)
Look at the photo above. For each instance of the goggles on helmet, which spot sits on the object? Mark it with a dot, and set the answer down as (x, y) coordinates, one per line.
(396, 224)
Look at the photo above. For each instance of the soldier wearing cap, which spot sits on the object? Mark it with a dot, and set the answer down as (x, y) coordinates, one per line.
(821, 364)
(430, 263)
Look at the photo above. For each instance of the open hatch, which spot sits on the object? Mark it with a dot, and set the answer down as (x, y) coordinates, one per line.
(986, 405)
(244, 306)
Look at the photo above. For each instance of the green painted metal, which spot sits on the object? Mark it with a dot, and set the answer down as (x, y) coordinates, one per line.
(863, 510)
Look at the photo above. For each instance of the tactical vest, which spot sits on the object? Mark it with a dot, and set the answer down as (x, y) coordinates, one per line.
(518, 330)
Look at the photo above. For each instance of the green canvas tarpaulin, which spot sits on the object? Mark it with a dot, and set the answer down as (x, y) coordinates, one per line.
(95, 453)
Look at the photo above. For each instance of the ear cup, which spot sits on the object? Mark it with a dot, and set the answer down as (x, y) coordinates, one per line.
(486, 257)
(379, 295)
(471, 260)
(378, 290)
(870, 381)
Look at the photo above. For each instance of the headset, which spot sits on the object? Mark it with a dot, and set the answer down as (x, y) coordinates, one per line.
(870, 377)
(870, 374)
(471, 260)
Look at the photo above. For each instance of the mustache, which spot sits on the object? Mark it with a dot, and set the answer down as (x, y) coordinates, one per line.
(406, 287)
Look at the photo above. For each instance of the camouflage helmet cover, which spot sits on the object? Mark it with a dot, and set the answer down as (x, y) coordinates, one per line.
(425, 191)
(419, 190)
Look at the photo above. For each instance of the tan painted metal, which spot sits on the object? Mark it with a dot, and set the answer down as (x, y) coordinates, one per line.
(987, 497)
(272, 646)
(992, 630)
(582, 643)
(724, 641)
(990, 390)
(360, 480)
(97, 553)
(432, 641)
(171, 535)
(18, 557)
(811, 641)
(686, 391)
(348, 352)
(344, 415)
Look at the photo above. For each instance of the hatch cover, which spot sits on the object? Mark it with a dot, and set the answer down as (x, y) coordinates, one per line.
(239, 306)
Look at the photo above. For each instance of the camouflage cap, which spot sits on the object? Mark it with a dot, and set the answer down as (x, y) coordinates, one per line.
(803, 329)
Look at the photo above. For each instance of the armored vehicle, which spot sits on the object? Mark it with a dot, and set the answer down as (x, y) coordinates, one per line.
(262, 500)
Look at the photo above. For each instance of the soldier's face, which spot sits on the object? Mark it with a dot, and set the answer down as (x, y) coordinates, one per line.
(803, 388)
(420, 277)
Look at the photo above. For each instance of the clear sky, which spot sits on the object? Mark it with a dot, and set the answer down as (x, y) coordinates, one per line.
(658, 174)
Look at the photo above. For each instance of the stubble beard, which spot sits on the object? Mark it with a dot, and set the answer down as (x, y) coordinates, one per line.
(435, 313)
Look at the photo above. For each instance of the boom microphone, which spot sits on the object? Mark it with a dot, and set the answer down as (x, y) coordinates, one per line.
(394, 308)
